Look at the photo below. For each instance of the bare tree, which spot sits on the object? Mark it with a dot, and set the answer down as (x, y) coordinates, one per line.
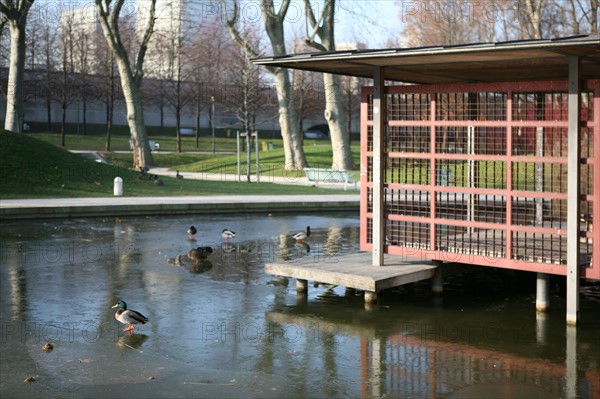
(131, 78)
(308, 95)
(334, 114)
(591, 15)
(206, 55)
(535, 19)
(14, 12)
(350, 90)
(82, 49)
(33, 32)
(67, 70)
(246, 79)
(288, 121)
(246, 100)
(434, 23)
(431, 22)
(104, 78)
(49, 42)
(174, 70)
(582, 15)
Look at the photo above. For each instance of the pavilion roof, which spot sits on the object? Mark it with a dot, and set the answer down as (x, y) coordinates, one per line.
(522, 60)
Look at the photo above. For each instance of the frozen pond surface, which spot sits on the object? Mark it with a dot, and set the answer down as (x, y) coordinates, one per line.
(225, 329)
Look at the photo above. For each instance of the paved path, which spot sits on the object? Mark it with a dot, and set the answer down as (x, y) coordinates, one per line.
(122, 206)
(295, 178)
(125, 206)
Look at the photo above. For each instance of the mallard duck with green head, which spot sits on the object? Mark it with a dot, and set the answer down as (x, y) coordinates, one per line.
(129, 316)
(303, 235)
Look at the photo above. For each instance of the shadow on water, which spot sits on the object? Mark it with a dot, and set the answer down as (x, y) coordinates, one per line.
(220, 327)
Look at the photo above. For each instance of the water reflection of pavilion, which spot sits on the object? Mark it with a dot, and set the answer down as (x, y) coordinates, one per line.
(408, 365)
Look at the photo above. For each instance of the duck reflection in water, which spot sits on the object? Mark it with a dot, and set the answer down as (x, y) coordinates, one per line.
(202, 266)
(228, 247)
(132, 341)
(302, 247)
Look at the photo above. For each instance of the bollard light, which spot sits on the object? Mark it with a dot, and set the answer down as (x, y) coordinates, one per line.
(118, 186)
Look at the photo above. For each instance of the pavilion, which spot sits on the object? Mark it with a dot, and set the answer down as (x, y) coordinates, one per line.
(482, 154)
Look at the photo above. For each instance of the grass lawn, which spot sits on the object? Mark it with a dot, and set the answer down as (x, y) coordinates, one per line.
(272, 163)
(33, 168)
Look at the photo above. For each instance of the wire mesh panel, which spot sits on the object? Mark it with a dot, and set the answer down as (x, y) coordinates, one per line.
(408, 202)
(407, 234)
(408, 106)
(481, 170)
(407, 139)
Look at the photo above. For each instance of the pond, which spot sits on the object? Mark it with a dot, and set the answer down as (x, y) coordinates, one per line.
(223, 328)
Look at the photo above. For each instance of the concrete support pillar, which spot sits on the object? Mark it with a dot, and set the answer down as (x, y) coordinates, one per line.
(541, 327)
(301, 285)
(283, 281)
(573, 164)
(370, 297)
(437, 282)
(542, 293)
(571, 375)
(377, 362)
(378, 166)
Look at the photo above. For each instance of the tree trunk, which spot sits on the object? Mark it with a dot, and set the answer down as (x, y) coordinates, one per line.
(84, 111)
(594, 7)
(142, 156)
(109, 117)
(14, 93)
(336, 119)
(49, 110)
(178, 127)
(130, 81)
(334, 110)
(110, 105)
(178, 107)
(534, 13)
(63, 103)
(292, 147)
(288, 121)
(198, 114)
(161, 112)
(48, 88)
(63, 121)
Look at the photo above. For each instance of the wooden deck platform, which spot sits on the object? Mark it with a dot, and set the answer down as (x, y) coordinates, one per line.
(355, 271)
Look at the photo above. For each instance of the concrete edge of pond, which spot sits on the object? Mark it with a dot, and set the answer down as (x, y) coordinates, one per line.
(144, 206)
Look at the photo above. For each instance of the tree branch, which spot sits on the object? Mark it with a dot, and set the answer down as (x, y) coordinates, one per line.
(104, 17)
(315, 25)
(139, 72)
(4, 9)
(15, 12)
(237, 37)
(283, 9)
